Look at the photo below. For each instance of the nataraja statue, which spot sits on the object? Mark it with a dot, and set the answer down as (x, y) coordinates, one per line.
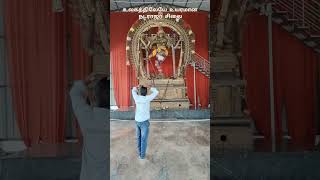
(159, 50)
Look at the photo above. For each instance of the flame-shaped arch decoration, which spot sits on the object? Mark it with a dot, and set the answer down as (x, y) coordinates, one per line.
(140, 26)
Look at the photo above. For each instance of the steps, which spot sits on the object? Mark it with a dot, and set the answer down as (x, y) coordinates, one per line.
(300, 18)
(222, 61)
(201, 64)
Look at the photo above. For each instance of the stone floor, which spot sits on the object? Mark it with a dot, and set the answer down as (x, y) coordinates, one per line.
(176, 150)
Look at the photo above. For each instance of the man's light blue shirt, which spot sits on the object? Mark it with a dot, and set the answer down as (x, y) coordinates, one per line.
(143, 104)
(94, 128)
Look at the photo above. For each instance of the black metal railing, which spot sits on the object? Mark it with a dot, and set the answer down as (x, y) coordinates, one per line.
(303, 13)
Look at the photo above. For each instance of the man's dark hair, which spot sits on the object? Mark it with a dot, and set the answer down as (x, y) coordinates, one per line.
(143, 91)
(101, 93)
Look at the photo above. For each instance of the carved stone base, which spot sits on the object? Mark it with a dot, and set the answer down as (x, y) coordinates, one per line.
(227, 98)
(99, 64)
(172, 94)
(232, 134)
(170, 104)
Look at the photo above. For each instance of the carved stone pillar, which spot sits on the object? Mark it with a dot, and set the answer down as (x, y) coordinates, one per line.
(100, 63)
(231, 127)
(221, 22)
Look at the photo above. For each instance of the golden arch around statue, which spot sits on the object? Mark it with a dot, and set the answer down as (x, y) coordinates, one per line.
(142, 45)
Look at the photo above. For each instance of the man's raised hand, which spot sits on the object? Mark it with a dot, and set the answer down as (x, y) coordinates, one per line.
(95, 76)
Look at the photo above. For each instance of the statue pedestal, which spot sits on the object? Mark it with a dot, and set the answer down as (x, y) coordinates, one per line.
(172, 94)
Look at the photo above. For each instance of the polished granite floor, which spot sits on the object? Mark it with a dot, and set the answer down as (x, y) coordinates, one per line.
(176, 150)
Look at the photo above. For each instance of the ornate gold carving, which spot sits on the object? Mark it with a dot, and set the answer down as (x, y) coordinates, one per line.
(162, 42)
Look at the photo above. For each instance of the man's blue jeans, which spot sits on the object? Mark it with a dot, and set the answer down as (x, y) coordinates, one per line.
(142, 132)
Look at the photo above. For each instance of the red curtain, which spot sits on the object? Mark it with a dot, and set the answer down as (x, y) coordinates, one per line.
(199, 25)
(121, 73)
(81, 61)
(294, 82)
(37, 52)
(124, 77)
(37, 55)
